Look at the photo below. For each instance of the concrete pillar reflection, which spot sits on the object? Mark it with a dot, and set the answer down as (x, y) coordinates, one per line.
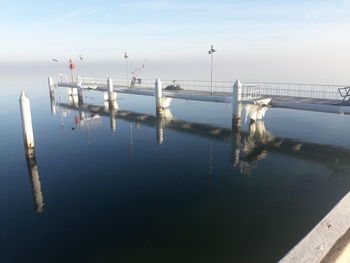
(113, 108)
(35, 181)
(163, 116)
(53, 104)
(211, 164)
(160, 128)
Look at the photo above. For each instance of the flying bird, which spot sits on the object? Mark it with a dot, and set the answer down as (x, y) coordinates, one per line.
(126, 55)
(54, 59)
(81, 58)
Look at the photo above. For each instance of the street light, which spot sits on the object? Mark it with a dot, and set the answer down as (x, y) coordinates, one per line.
(127, 69)
(211, 52)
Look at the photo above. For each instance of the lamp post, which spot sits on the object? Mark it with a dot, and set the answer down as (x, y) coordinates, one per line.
(127, 69)
(211, 52)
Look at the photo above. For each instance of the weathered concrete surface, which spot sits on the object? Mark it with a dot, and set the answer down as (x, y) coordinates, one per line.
(318, 243)
(340, 252)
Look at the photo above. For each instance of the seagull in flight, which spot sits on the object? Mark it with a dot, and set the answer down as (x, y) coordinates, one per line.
(81, 58)
(126, 55)
(54, 59)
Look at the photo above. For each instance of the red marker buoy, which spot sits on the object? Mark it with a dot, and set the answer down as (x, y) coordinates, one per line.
(71, 67)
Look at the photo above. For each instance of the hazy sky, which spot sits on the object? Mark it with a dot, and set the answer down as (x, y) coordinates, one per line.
(254, 38)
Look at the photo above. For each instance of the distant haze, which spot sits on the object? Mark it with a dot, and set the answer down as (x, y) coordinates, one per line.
(289, 41)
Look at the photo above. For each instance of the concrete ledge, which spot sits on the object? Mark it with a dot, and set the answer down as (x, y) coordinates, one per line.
(320, 243)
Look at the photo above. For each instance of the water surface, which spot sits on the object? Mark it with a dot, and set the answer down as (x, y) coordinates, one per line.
(137, 188)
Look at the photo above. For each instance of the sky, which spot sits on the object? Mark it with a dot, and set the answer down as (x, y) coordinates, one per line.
(289, 40)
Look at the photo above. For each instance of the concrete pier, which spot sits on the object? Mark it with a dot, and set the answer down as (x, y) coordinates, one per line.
(26, 116)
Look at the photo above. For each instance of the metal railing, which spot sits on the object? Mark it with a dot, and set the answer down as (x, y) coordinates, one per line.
(251, 90)
(298, 90)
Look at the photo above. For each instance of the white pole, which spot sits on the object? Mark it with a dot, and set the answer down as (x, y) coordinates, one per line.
(236, 105)
(127, 73)
(27, 127)
(79, 81)
(211, 74)
(158, 94)
(111, 94)
(51, 85)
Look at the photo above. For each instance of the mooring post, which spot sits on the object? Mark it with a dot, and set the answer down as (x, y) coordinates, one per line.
(26, 121)
(236, 105)
(111, 93)
(80, 91)
(159, 95)
(162, 103)
(51, 86)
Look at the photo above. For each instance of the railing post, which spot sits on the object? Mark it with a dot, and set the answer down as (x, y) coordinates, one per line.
(27, 127)
(236, 105)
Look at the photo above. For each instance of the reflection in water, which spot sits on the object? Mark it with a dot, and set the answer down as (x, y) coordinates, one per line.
(53, 103)
(249, 150)
(163, 117)
(211, 164)
(113, 108)
(35, 181)
(131, 141)
(247, 147)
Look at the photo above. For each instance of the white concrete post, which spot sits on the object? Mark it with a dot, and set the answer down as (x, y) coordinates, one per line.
(51, 85)
(236, 105)
(80, 91)
(79, 82)
(158, 94)
(27, 127)
(111, 93)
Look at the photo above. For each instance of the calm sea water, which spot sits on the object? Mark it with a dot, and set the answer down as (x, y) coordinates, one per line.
(160, 190)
